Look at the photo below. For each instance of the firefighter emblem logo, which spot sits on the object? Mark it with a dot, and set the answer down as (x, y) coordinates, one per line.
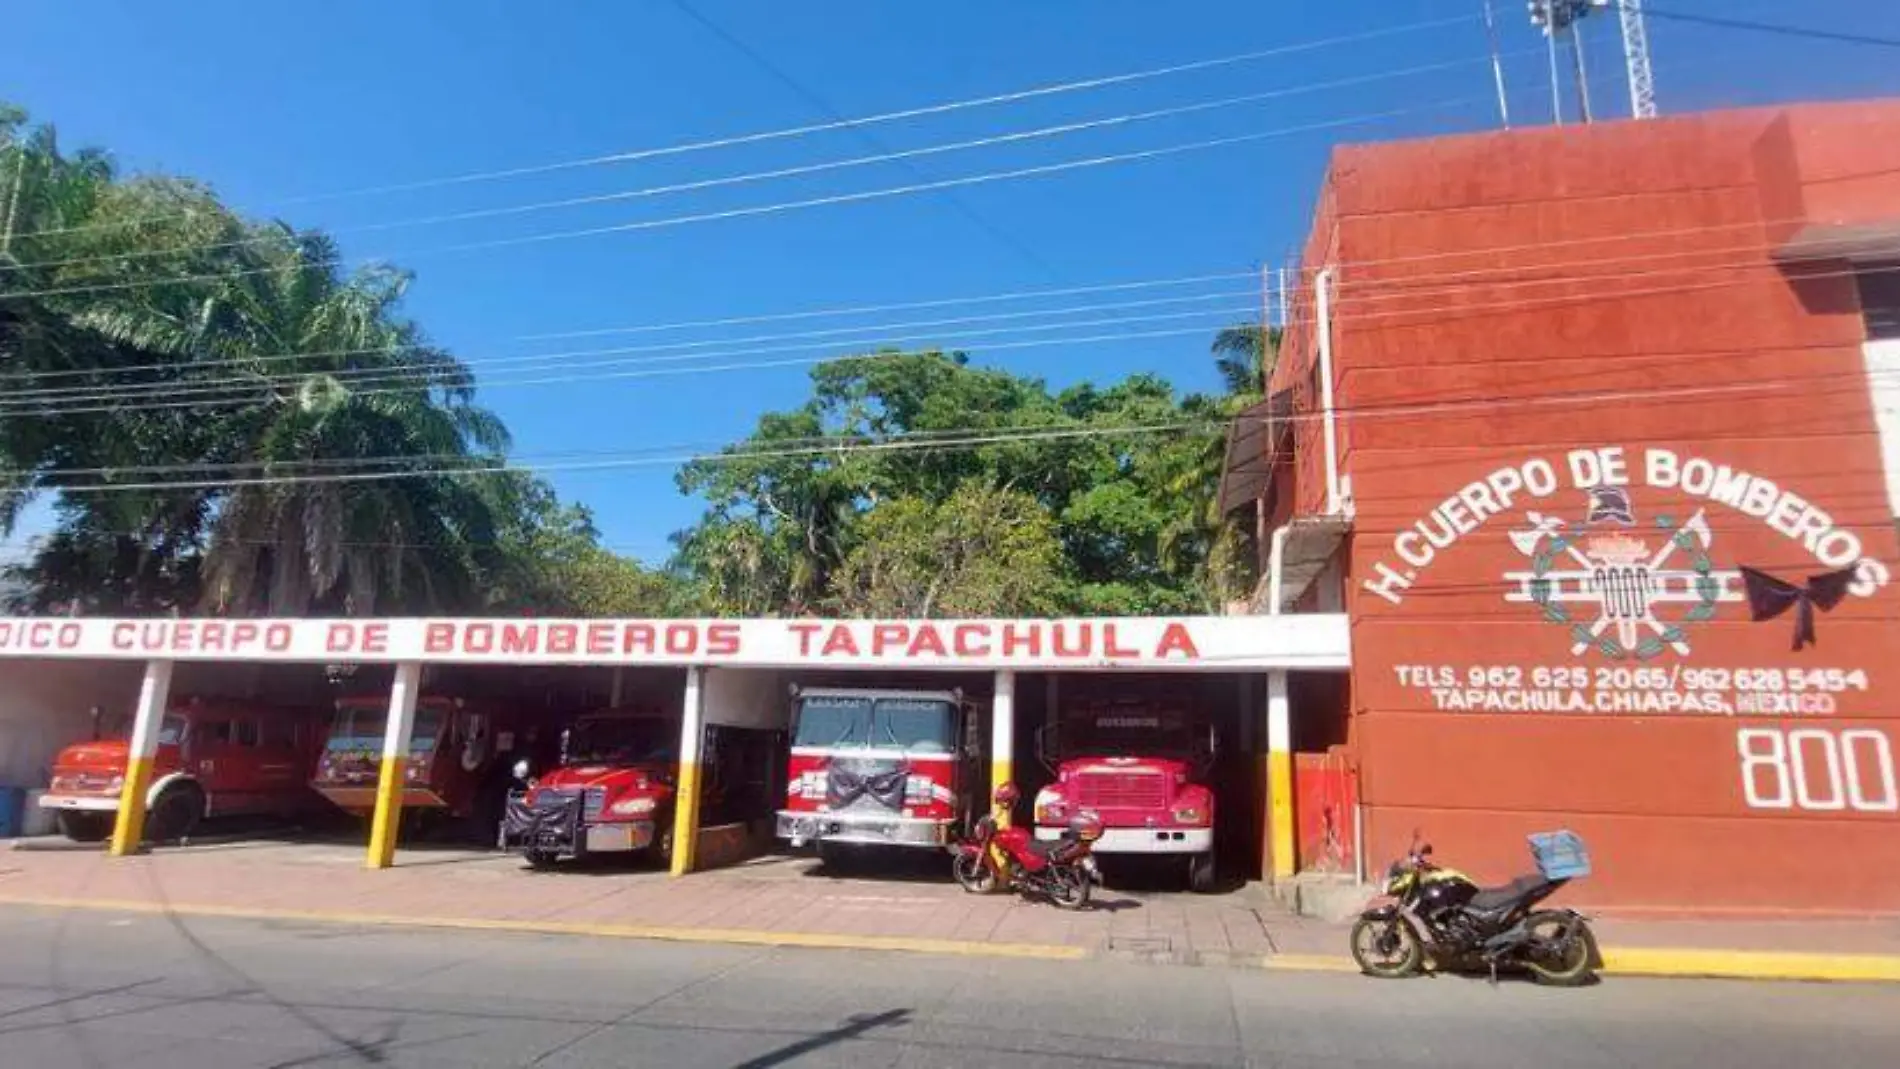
(1646, 586)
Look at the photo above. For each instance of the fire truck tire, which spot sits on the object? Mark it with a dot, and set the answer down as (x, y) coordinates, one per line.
(86, 827)
(175, 814)
(663, 846)
(1201, 877)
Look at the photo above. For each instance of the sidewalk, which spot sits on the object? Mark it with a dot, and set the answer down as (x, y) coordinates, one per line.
(796, 901)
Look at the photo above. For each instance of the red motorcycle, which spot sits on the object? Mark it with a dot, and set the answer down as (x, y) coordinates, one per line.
(1063, 870)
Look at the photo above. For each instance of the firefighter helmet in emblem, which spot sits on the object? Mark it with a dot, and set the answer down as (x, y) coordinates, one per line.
(1646, 591)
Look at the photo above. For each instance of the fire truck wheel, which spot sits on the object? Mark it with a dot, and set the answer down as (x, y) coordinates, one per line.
(85, 827)
(175, 814)
(663, 847)
(1201, 872)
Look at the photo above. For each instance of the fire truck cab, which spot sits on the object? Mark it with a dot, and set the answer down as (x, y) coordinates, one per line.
(215, 757)
(879, 767)
(460, 754)
(1141, 764)
(611, 791)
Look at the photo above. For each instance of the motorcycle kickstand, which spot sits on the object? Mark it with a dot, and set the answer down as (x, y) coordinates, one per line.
(1493, 962)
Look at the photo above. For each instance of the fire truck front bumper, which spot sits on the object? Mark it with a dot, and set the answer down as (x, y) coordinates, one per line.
(867, 828)
(1144, 840)
(556, 824)
(85, 803)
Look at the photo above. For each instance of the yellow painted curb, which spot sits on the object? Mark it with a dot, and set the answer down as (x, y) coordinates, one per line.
(1752, 965)
(737, 936)
(1309, 963)
(1682, 963)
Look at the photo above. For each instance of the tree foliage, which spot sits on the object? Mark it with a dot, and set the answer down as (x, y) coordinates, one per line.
(188, 384)
(842, 504)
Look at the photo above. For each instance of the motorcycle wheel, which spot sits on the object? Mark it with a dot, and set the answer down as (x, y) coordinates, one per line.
(1553, 963)
(1069, 887)
(1386, 948)
(539, 859)
(974, 874)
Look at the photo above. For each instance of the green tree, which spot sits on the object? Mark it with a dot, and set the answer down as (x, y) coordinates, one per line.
(981, 551)
(149, 335)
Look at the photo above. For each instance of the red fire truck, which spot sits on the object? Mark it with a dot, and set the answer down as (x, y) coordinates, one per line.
(216, 757)
(1140, 763)
(460, 754)
(880, 767)
(611, 792)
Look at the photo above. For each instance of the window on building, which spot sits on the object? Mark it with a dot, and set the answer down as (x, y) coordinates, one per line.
(247, 733)
(215, 731)
(1880, 300)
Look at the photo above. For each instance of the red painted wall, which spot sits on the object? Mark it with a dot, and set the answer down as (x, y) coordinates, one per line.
(1522, 315)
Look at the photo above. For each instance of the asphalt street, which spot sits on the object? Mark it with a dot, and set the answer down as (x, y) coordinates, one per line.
(99, 990)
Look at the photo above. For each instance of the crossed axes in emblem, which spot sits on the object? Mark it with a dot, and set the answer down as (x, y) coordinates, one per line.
(1530, 543)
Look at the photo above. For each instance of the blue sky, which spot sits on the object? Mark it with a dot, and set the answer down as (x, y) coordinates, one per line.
(277, 103)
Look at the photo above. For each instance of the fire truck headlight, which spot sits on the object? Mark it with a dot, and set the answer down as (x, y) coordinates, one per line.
(117, 783)
(412, 773)
(1051, 808)
(1188, 814)
(633, 807)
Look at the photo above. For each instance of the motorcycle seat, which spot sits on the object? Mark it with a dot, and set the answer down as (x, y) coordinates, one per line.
(1494, 898)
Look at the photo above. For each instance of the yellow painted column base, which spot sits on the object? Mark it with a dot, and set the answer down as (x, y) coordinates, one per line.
(386, 818)
(685, 819)
(128, 829)
(1001, 772)
(1280, 812)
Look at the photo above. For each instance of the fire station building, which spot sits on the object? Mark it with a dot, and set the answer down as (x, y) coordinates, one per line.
(1576, 483)
(1592, 432)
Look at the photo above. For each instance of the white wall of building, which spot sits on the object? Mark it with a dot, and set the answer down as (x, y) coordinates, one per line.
(45, 706)
(1883, 385)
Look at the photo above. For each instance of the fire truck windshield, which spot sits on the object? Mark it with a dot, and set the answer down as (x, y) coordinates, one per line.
(1127, 732)
(916, 725)
(362, 729)
(623, 740)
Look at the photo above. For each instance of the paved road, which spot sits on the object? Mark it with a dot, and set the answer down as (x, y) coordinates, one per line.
(95, 990)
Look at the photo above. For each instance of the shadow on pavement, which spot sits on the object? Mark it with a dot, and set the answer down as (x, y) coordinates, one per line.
(859, 1024)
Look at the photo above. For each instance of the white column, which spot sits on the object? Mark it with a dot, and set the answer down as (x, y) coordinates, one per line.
(398, 730)
(154, 694)
(1279, 776)
(686, 793)
(1003, 737)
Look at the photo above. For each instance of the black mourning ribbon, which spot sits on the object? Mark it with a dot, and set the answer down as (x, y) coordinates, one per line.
(1769, 597)
(845, 783)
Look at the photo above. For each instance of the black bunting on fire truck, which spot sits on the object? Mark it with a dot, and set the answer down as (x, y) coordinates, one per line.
(847, 781)
(1769, 597)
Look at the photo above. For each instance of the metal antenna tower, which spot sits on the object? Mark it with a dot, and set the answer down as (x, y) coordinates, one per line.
(1636, 58)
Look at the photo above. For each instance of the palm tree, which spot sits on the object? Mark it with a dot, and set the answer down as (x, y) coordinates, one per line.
(180, 318)
(1244, 356)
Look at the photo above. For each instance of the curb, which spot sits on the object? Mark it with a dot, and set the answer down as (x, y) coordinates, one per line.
(1660, 962)
(729, 936)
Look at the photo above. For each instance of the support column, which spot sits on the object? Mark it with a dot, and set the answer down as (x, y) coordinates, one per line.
(397, 732)
(154, 694)
(686, 793)
(1002, 740)
(619, 688)
(1279, 777)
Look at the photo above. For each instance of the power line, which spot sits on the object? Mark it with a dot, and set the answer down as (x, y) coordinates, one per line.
(942, 108)
(420, 380)
(1013, 137)
(1062, 167)
(1774, 28)
(1460, 406)
(863, 134)
(1405, 285)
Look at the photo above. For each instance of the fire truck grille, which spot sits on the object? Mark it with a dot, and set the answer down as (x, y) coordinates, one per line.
(1122, 790)
(595, 799)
